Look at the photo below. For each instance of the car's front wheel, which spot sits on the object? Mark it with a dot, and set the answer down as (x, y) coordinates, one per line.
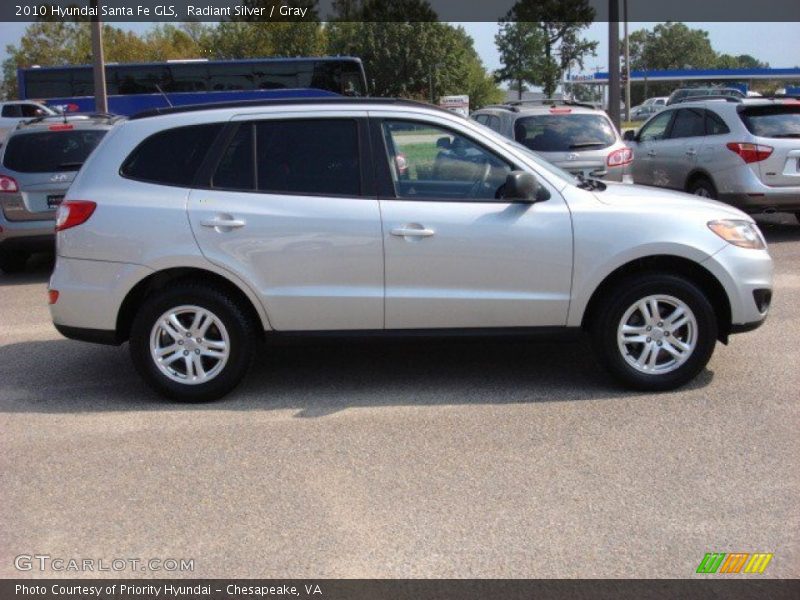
(655, 332)
(192, 343)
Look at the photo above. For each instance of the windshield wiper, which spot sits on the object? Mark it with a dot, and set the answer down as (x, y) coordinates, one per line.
(586, 144)
(786, 135)
(68, 166)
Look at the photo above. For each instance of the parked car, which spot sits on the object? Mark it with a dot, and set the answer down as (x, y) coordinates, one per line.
(656, 100)
(37, 165)
(577, 137)
(695, 92)
(743, 152)
(645, 111)
(15, 112)
(194, 233)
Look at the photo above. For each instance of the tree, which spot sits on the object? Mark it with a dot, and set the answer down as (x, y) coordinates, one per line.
(671, 46)
(559, 23)
(519, 45)
(742, 61)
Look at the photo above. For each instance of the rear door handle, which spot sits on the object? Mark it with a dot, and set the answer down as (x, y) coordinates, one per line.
(223, 223)
(691, 152)
(651, 153)
(412, 232)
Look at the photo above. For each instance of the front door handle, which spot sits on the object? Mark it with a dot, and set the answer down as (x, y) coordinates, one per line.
(651, 153)
(223, 223)
(409, 231)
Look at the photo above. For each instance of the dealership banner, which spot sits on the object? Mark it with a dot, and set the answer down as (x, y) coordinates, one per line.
(397, 589)
(394, 10)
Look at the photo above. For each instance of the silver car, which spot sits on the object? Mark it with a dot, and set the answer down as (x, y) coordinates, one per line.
(37, 165)
(577, 137)
(743, 152)
(196, 234)
(14, 112)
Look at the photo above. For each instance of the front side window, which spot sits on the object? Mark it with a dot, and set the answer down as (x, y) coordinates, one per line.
(689, 122)
(173, 156)
(656, 128)
(564, 132)
(427, 161)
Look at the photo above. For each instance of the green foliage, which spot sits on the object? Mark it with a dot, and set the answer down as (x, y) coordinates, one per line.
(552, 42)
(520, 45)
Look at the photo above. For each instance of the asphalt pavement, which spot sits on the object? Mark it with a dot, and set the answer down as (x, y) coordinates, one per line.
(455, 459)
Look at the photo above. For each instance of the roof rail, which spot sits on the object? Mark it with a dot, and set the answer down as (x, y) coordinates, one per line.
(552, 101)
(709, 97)
(155, 112)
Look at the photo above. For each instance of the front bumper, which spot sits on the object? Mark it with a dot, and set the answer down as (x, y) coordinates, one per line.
(746, 275)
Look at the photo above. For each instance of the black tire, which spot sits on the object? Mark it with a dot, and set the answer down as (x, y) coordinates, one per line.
(612, 308)
(703, 187)
(13, 261)
(241, 330)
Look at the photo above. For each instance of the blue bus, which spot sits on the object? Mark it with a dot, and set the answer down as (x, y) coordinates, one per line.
(135, 87)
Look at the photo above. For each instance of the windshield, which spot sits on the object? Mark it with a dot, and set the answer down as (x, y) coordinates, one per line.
(564, 132)
(50, 151)
(541, 162)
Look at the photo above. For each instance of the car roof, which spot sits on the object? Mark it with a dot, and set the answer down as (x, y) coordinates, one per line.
(545, 106)
(734, 102)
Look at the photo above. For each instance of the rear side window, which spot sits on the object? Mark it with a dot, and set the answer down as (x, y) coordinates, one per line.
(171, 157)
(50, 151)
(773, 121)
(304, 156)
(562, 133)
(689, 122)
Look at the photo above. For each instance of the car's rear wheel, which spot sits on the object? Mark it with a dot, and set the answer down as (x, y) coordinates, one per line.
(703, 187)
(655, 332)
(192, 343)
(13, 261)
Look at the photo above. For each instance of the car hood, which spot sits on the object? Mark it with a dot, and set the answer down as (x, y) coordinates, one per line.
(643, 197)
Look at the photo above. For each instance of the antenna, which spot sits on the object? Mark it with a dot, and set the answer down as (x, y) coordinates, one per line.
(160, 91)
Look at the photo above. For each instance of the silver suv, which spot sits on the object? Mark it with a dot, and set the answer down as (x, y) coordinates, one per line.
(743, 152)
(37, 165)
(195, 234)
(577, 137)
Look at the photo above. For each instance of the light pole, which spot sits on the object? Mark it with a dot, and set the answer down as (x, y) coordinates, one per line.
(627, 63)
(613, 62)
(100, 97)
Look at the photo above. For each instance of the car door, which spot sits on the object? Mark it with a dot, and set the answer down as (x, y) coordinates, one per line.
(455, 255)
(646, 168)
(289, 208)
(678, 154)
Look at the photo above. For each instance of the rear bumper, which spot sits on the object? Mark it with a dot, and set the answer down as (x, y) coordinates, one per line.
(83, 334)
(27, 243)
(770, 201)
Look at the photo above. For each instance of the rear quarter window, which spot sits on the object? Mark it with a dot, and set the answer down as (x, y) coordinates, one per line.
(773, 121)
(172, 156)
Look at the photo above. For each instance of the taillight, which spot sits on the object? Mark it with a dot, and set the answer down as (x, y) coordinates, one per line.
(61, 127)
(8, 184)
(620, 157)
(73, 212)
(560, 111)
(750, 153)
(52, 296)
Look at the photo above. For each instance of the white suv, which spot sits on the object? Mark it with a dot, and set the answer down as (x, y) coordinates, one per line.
(195, 233)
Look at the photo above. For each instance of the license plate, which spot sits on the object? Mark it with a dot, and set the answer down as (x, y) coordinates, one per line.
(54, 200)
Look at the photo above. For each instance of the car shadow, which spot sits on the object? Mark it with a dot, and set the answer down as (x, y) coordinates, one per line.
(317, 379)
(37, 270)
(779, 228)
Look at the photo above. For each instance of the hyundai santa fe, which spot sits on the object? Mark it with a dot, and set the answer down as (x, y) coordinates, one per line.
(196, 234)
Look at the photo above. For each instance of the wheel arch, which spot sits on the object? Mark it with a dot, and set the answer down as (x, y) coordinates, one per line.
(162, 278)
(669, 264)
(694, 175)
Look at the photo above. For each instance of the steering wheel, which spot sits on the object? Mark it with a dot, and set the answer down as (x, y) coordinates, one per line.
(480, 183)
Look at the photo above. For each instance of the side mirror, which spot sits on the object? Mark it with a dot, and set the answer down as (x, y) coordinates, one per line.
(629, 135)
(443, 142)
(521, 185)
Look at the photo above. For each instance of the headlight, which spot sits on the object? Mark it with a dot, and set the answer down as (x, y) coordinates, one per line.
(739, 233)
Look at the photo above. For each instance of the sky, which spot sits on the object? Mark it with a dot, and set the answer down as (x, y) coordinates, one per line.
(776, 43)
